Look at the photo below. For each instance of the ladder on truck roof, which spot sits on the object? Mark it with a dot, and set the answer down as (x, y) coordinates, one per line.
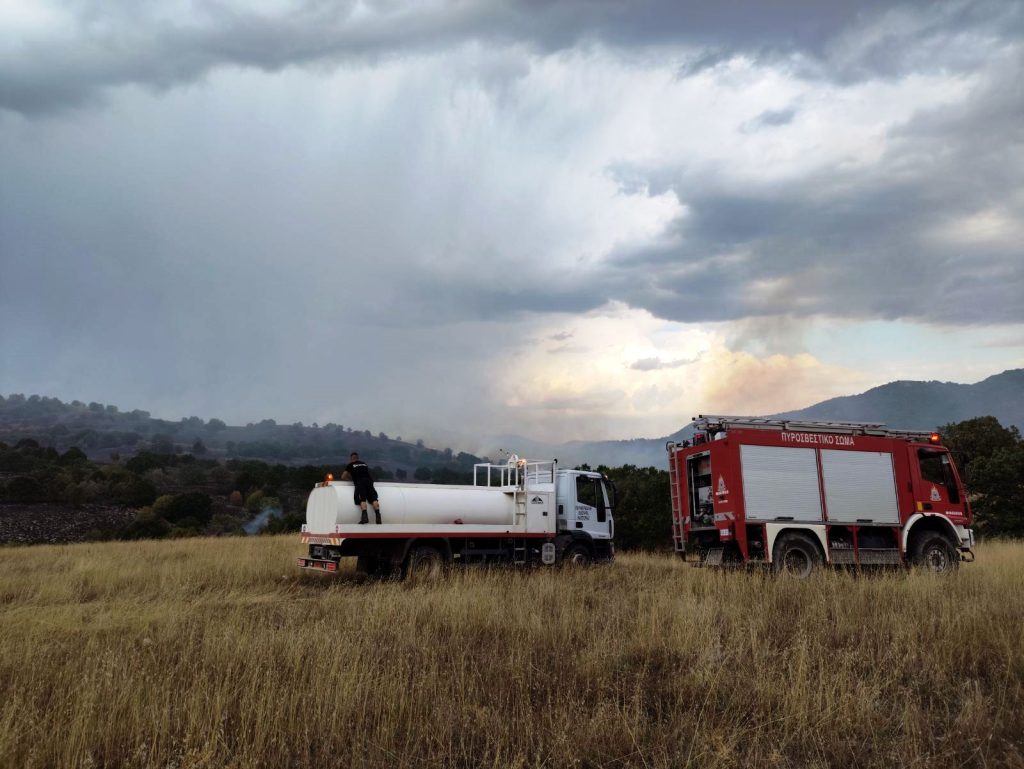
(678, 540)
(713, 422)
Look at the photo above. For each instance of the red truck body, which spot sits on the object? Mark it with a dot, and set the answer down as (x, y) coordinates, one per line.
(800, 494)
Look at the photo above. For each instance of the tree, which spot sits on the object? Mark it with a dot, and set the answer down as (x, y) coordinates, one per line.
(642, 516)
(422, 474)
(162, 444)
(216, 425)
(254, 502)
(132, 490)
(991, 462)
(998, 479)
(147, 525)
(73, 456)
(24, 488)
(184, 508)
(198, 448)
(144, 461)
(976, 438)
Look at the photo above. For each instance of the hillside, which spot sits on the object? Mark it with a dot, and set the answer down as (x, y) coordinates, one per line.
(104, 432)
(925, 405)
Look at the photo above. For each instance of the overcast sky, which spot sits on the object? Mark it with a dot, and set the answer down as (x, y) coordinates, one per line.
(584, 219)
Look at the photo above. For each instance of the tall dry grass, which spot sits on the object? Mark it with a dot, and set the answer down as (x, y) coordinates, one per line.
(217, 653)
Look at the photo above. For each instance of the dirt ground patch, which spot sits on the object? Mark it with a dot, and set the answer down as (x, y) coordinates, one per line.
(57, 524)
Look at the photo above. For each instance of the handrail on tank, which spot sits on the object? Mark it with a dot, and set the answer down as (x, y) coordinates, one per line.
(519, 473)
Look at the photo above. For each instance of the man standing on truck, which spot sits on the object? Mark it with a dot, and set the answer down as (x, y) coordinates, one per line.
(358, 472)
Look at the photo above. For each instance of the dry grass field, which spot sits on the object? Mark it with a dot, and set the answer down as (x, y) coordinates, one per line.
(217, 653)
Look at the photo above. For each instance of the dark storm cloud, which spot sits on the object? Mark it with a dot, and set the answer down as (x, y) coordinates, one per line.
(104, 45)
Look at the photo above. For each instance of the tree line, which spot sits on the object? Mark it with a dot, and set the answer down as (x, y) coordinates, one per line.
(173, 494)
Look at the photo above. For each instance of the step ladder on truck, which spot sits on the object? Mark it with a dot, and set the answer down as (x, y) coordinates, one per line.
(797, 495)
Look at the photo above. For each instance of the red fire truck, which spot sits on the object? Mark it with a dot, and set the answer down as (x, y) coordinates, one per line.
(797, 495)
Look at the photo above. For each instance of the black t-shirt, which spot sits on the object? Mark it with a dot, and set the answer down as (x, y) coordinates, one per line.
(359, 472)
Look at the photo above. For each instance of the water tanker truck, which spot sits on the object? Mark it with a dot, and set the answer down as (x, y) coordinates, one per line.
(520, 512)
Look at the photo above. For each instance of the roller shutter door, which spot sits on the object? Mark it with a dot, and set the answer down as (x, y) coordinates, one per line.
(859, 486)
(779, 483)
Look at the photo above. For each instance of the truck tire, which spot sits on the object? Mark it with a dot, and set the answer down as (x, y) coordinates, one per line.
(796, 555)
(425, 564)
(933, 552)
(577, 555)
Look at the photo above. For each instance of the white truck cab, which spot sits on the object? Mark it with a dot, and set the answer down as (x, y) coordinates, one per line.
(585, 501)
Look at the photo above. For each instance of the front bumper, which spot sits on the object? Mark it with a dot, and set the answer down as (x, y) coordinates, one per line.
(966, 537)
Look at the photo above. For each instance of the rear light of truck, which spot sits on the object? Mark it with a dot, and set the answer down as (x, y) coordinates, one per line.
(310, 563)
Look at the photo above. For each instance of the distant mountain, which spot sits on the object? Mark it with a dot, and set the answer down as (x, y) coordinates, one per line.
(903, 404)
(104, 432)
(926, 405)
(101, 430)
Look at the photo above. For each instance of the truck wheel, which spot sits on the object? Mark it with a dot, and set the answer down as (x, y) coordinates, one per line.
(933, 552)
(577, 555)
(426, 564)
(796, 555)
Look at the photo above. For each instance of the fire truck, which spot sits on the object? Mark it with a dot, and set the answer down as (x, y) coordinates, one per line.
(797, 495)
(519, 512)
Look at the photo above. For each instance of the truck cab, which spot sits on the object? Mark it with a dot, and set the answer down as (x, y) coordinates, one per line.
(585, 501)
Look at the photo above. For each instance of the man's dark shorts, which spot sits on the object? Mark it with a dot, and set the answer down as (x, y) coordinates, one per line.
(365, 493)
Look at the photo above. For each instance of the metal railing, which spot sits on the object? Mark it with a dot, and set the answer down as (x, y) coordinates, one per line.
(516, 473)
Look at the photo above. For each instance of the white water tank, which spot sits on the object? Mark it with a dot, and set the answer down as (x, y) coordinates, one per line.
(410, 503)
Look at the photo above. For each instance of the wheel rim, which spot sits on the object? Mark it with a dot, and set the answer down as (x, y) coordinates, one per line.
(797, 563)
(936, 559)
(578, 558)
